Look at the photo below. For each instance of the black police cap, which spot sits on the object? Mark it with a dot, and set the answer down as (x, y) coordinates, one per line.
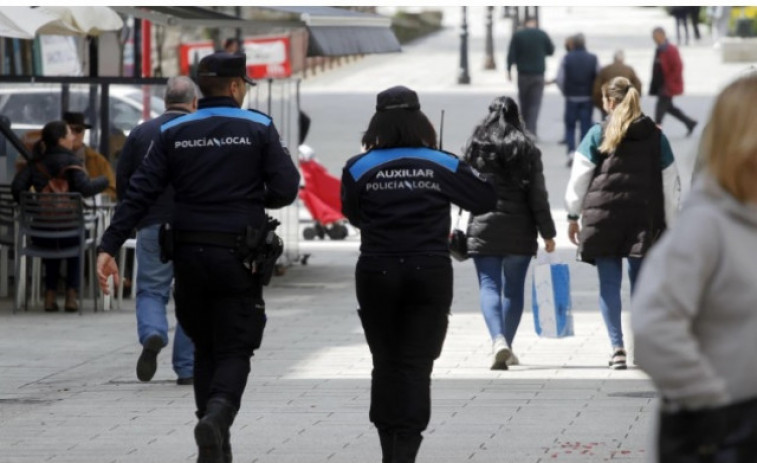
(398, 97)
(224, 64)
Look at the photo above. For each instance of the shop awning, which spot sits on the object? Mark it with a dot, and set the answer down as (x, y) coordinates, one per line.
(332, 31)
(193, 16)
(337, 31)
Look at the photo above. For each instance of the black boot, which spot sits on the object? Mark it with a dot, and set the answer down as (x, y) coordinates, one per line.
(387, 446)
(226, 448)
(406, 447)
(212, 432)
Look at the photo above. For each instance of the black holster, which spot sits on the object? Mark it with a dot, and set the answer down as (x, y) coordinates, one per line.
(166, 241)
(264, 247)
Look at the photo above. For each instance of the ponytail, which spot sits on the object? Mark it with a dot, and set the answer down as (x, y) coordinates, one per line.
(39, 149)
(627, 110)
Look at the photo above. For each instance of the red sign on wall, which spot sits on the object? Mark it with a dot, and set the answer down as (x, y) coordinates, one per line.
(267, 57)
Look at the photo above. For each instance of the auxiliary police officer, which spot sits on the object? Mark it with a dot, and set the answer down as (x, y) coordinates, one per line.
(226, 166)
(398, 194)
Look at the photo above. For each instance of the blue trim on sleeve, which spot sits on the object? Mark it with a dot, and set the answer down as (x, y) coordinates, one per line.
(667, 152)
(205, 113)
(376, 158)
(589, 147)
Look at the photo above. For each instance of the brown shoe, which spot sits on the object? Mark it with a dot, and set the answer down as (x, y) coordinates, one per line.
(50, 304)
(72, 303)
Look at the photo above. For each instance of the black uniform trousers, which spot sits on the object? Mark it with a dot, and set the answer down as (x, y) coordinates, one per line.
(404, 309)
(219, 303)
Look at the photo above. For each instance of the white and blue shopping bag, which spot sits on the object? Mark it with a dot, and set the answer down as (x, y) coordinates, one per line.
(551, 297)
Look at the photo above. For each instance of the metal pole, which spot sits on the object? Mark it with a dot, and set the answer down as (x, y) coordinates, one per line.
(105, 120)
(137, 48)
(516, 19)
(462, 76)
(94, 58)
(238, 35)
(489, 61)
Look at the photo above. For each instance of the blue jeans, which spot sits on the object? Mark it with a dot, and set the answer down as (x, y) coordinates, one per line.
(153, 292)
(501, 281)
(610, 270)
(577, 112)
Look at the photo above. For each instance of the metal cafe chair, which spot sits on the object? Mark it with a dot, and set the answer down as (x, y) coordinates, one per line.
(7, 235)
(53, 216)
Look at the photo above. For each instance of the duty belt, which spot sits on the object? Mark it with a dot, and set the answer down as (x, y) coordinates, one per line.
(208, 238)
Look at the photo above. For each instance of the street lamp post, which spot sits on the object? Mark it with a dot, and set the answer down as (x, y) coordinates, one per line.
(462, 75)
(489, 62)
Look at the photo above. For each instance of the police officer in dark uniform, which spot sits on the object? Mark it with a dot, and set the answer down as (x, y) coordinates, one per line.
(225, 165)
(398, 194)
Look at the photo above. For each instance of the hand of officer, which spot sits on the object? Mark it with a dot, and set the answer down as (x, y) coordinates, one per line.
(106, 266)
(573, 230)
(549, 245)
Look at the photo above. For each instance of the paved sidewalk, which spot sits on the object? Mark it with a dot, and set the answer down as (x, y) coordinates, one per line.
(68, 390)
(69, 394)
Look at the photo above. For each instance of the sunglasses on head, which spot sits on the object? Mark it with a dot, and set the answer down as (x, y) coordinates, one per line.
(77, 129)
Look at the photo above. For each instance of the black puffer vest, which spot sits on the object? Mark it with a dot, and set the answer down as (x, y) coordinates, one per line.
(624, 211)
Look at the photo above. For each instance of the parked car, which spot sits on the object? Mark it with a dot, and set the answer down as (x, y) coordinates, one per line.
(29, 107)
(32, 106)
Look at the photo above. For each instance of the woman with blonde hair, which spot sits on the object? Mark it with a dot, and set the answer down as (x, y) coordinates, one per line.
(624, 187)
(694, 316)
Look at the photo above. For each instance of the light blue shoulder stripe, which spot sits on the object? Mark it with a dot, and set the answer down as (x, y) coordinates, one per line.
(375, 158)
(205, 113)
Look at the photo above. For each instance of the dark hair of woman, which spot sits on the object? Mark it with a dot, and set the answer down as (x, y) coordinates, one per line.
(52, 132)
(399, 128)
(500, 138)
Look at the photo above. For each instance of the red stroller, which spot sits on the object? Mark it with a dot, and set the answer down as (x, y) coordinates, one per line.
(321, 195)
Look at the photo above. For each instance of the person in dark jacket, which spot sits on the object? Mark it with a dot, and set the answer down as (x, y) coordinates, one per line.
(154, 277)
(226, 166)
(575, 78)
(398, 193)
(528, 50)
(503, 241)
(51, 155)
(624, 186)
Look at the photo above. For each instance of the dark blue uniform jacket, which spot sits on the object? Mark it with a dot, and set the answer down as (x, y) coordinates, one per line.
(226, 166)
(400, 198)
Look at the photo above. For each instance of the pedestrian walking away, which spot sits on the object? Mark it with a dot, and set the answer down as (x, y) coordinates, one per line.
(221, 190)
(681, 15)
(624, 186)
(667, 81)
(528, 50)
(503, 241)
(398, 193)
(576, 76)
(694, 315)
(568, 48)
(618, 68)
(154, 277)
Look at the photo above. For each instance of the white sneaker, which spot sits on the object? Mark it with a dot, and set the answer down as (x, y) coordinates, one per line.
(501, 353)
(513, 360)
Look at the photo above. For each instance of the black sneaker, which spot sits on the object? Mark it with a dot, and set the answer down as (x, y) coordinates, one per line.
(188, 381)
(148, 360)
(690, 128)
(618, 360)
